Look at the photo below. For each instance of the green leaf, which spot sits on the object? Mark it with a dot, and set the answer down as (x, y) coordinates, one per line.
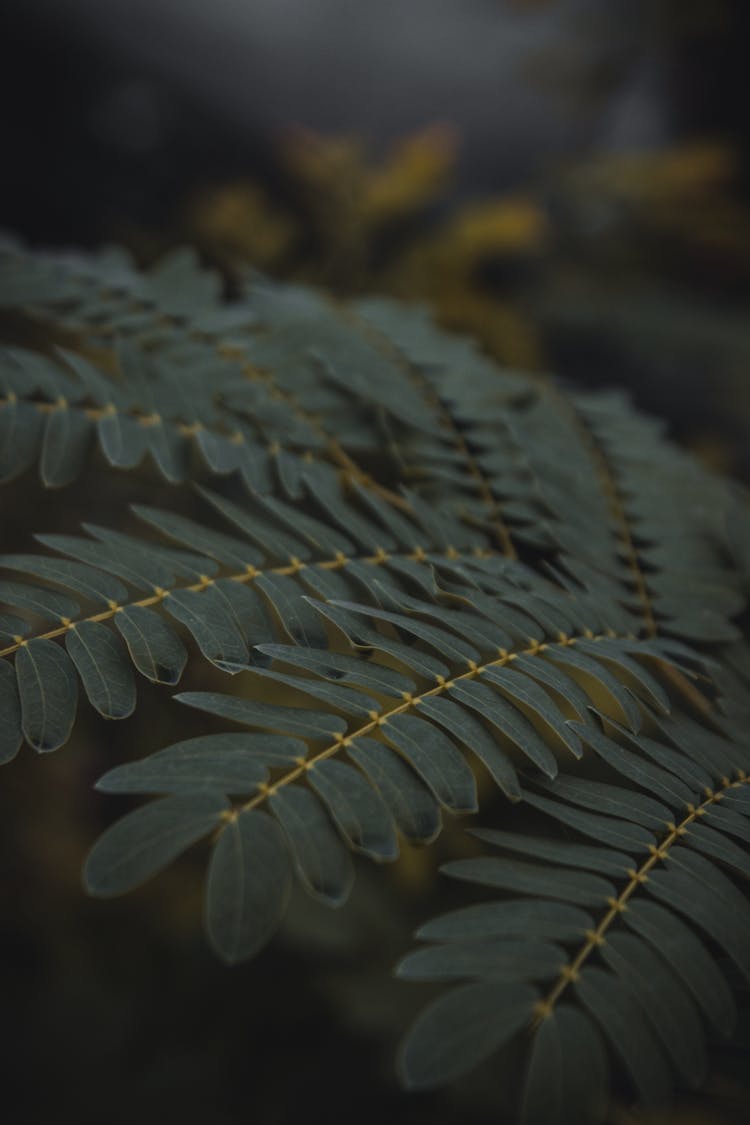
(558, 851)
(612, 800)
(143, 571)
(681, 949)
(605, 829)
(712, 843)
(215, 631)
(290, 720)
(503, 957)
(362, 637)
(668, 1007)
(101, 662)
(82, 579)
(221, 763)
(410, 802)
(570, 656)
(461, 1029)
(621, 1022)
(706, 907)
(357, 808)
(611, 651)
(567, 1074)
(509, 918)
(469, 731)
(48, 690)
(434, 757)
(553, 677)
(248, 886)
(575, 887)
(154, 647)
(11, 734)
(20, 434)
(224, 548)
(68, 435)
(439, 639)
(48, 604)
(515, 726)
(342, 669)
(523, 690)
(649, 777)
(144, 842)
(322, 861)
(295, 613)
(345, 699)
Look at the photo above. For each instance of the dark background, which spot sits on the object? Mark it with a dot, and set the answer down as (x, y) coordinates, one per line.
(116, 115)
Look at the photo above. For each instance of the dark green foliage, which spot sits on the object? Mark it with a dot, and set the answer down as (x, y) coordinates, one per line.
(433, 585)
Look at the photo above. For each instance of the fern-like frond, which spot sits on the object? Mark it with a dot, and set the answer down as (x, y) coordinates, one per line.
(382, 747)
(431, 581)
(607, 942)
(586, 477)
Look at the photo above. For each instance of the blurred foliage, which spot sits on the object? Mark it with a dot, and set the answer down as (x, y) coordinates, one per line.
(625, 269)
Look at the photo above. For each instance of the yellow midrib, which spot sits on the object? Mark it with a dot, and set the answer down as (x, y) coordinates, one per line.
(410, 701)
(294, 566)
(658, 853)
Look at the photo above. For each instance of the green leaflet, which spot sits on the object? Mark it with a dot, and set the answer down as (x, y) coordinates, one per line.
(475, 737)
(146, 841)
(48, 690)
(493, 707)
(20, 429)
(248, 885)
(411, 804)
(613, 800)
(608, 830)
(68, 433)
(461, 1029)
(215, 631)
(553, 677)
(421, 663)
(523, 690)
(567, 1074)
(11, 734)
(649, 687)
(277, 543)
(224, 548)
(342, 669)
(603, 860)
(82, 579)
(12, 627)
(511, 918)
(322, 861)
(438, 639)
(102, 664)
(577, 888)
(295, 613)
(224, 763)
(356, 807)
(434, 757)
(154, 647)
(667, 1005)
(681, 949)
(345, 699)
(620, 1021)
(289, 720)
(650, 777)
(47, 604)
(593, 668)
(503, 957)
(142, 572)
(715, 844)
